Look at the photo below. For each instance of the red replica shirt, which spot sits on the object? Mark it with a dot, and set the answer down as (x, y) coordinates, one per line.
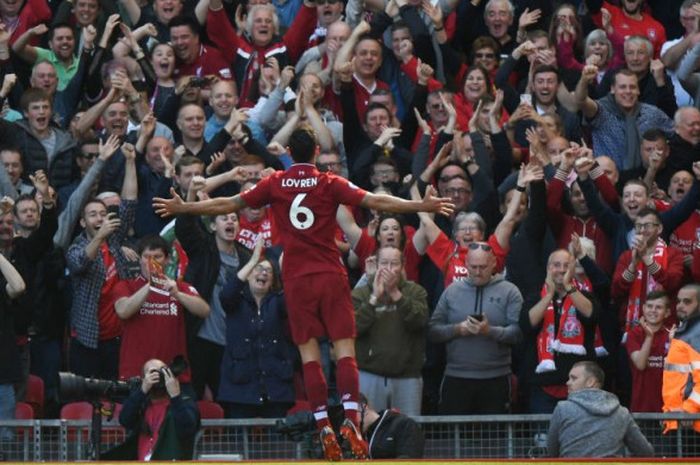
(451, 259)
(687, 235)
(209, 62)
(154, 416)
(367, 245)
(303, 202)
(109, 323)
(157, 330)
(646, 384)
(626, 26)
(250, 230)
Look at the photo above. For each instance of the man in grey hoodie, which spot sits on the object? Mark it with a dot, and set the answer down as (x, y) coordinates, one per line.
(478, 319)
(592, 423)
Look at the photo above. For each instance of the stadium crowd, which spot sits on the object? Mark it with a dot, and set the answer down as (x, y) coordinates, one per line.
(567, 136)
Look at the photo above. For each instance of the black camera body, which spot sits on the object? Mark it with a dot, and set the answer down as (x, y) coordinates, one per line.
(72, 387)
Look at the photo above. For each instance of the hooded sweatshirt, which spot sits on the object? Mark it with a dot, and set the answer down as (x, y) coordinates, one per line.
(481, 356)
(592, 423)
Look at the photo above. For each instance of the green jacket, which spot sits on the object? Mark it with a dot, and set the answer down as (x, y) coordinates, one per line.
(391, 338)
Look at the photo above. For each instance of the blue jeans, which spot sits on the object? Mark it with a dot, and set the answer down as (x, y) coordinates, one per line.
(7, 409)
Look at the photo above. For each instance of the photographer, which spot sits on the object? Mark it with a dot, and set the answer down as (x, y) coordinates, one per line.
(390, 434)
(161, 421)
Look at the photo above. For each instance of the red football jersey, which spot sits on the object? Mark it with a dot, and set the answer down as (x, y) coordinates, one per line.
(157, 330)
(303, 202)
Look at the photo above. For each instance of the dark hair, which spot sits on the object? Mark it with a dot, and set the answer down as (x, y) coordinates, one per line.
(654, 135)
(654, 295)
(302, 145)
(554, 24)
(187, 160)
(33, 95)
(61, 25)
(649, 211)
(391, 216)
(592, 369)
(484, 42)
(11, 148)
(624, 72)
(376, 105)
(92, 140)
(401, 24)
(636, 182)
(23, 198)
(487, 78)
(379, 92)
(364, 37)
(545, 69)
(91, 200)
(153, 242)
(185, 20)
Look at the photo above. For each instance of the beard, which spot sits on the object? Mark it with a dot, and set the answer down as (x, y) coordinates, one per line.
(634, 11)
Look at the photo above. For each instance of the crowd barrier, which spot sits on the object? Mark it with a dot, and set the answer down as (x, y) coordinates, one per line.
(446, 437)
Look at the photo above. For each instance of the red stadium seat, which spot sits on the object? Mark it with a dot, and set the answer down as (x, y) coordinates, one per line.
(24, 411)
(209, 409)
(35, 395)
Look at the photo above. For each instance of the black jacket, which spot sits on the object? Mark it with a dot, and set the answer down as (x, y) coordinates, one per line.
(204, 262)
(62, 169)
(175, 437)
(395, 436)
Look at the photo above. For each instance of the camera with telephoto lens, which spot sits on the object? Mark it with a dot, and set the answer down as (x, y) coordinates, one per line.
(72, 387)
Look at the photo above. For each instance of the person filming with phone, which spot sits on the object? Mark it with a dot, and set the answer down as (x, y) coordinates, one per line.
(478, 315)
(162, 421)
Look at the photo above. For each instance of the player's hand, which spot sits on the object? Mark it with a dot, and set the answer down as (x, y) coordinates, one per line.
(432, 204)
(169, 207)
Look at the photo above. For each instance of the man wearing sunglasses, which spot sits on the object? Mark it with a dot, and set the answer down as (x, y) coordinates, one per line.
(478, 315)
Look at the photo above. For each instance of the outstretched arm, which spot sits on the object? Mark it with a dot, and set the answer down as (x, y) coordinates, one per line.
(217, 206)
(389, 203)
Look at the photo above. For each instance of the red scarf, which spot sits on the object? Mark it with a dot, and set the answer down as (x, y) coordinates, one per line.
(569, 337)
(642, 285)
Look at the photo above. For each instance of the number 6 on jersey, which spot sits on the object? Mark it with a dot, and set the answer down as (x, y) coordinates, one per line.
(301, 217)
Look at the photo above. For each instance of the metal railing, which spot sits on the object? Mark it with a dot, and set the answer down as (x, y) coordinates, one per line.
(454, 437)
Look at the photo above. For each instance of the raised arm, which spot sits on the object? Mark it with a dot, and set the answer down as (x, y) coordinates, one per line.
(389, 203)
(504, 230)
(211, 207)
(21, 46)
(15, 284)
(588, 106)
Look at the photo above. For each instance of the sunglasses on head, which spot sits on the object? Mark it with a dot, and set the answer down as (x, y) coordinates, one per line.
(480, 245)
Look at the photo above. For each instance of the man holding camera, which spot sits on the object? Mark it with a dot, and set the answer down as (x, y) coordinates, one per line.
(162, 421)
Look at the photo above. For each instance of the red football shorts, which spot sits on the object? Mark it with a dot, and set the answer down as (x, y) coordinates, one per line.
(319, 305)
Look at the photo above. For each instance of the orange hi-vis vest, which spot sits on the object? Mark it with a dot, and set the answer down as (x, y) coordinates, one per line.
(681, 382)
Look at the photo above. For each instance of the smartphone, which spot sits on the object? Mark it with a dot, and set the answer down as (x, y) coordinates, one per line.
(113, 209)
(526, 99)
(199, 81)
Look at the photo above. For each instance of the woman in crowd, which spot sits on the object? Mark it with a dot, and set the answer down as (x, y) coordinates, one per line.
(258, 363)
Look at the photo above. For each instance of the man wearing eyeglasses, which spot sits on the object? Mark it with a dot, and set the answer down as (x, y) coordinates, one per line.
(478, 315)
(649, 265)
